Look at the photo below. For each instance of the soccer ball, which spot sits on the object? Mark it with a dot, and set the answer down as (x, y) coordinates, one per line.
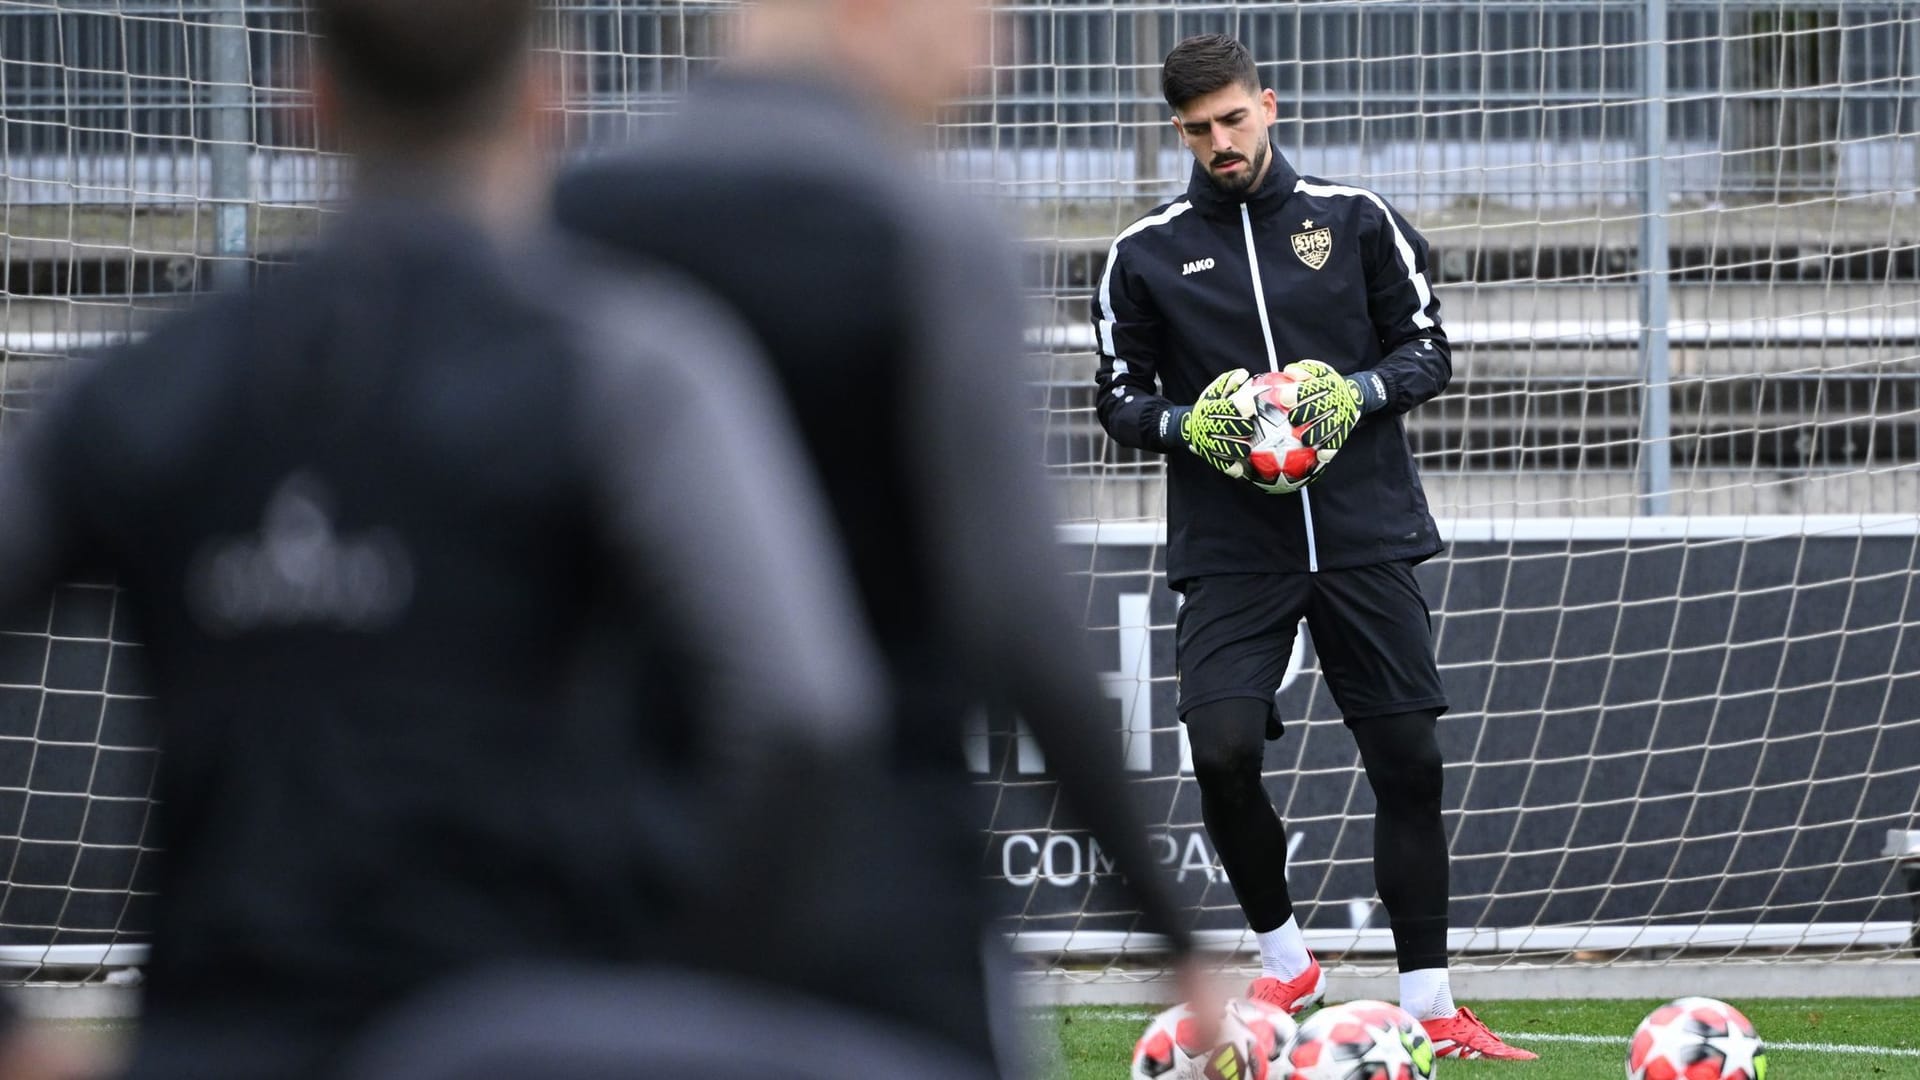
(1263, 1030)
(1251, 1036)
(1278, 462)
(1169, 1049)
(1696, 1038)
(1361, 1040)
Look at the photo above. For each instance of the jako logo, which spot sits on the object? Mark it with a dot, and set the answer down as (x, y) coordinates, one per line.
(1196, 266)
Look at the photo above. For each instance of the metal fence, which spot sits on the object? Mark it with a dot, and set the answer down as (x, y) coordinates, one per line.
(1603, 183)
(1803, 97)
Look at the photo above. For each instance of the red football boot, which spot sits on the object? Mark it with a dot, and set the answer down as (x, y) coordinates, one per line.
(1462, 1035)
(1303, 991)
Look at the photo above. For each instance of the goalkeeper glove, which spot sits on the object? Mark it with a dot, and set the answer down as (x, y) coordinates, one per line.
(1331, 404)
(1215, 427)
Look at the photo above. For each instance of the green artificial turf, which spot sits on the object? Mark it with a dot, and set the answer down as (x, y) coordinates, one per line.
(1822, 1039)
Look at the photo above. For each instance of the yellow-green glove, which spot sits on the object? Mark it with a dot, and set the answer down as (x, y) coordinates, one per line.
(1216, 427)
(1331, 404)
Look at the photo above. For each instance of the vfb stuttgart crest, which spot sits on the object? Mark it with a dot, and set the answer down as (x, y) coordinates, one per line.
(1313, 246)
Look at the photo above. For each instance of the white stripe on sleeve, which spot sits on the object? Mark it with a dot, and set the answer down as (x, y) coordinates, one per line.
(1106, 278)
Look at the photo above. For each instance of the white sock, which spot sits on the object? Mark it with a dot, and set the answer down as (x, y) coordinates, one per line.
(1283, 951)
(1427, 994)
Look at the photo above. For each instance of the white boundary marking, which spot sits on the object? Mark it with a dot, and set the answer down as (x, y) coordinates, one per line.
(1892, 932)
(1791, 980)
(1800, 1047)
(1143, 1014)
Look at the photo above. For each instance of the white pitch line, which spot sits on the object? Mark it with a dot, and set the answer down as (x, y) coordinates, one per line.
(1122, 1013)
(1817, 1048)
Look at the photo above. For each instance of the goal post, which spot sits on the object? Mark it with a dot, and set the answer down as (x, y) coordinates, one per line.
(1668, 742)
(1676, 245)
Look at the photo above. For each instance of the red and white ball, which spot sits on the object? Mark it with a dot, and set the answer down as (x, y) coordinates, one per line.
(1262, 1030)
(1248, 1046)
(1361, 1040)
(1170, 1048)
(1278, 460)
(1696, 1038)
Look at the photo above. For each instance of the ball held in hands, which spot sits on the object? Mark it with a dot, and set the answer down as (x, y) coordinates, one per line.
(1282, 455)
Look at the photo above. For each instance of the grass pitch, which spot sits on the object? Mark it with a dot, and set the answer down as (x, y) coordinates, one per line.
(1816, 1039)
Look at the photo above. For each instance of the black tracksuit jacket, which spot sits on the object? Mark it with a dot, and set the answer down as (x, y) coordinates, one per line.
(1300, 269)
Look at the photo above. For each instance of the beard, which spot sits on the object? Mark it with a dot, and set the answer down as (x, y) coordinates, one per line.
(1241, 182)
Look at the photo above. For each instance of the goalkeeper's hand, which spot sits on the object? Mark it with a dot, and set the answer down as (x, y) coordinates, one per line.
(1215, 427)
(1331, 404)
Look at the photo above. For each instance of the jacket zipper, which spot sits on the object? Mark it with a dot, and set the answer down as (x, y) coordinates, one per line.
(1273, 364)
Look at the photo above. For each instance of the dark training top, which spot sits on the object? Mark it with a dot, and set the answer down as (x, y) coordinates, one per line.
(1300, 268)
(368, 518)
(891, 312)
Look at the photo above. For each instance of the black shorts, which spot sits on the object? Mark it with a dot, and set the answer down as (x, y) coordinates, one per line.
(1370, 627)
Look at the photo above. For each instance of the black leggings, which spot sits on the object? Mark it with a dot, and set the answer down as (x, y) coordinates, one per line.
(1401, 754)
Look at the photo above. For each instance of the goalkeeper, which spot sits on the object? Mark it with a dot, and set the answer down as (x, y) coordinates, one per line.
(1257, 267)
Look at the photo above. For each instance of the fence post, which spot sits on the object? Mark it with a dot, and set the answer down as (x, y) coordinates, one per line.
(231, 129)
(1656, 421)
(1147, 109)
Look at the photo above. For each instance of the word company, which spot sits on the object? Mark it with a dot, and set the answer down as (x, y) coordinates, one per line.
(1196, 266)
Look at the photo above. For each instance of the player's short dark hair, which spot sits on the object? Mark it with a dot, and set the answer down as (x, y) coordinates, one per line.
(1200, 65)
(432, 66)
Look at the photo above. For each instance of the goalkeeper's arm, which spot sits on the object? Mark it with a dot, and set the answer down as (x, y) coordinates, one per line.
(1416, 361)
(1127, 335)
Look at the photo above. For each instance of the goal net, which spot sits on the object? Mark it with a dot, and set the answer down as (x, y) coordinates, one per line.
(1677, 257)
(1676, 245)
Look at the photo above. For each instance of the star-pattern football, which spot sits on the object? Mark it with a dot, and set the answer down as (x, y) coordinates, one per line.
(1696, 1038)
(1279, 458)
(1361, 1040)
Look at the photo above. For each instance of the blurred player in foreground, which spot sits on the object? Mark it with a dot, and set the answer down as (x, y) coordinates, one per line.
(892, 313)
(1259, 266)
(370, 518)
